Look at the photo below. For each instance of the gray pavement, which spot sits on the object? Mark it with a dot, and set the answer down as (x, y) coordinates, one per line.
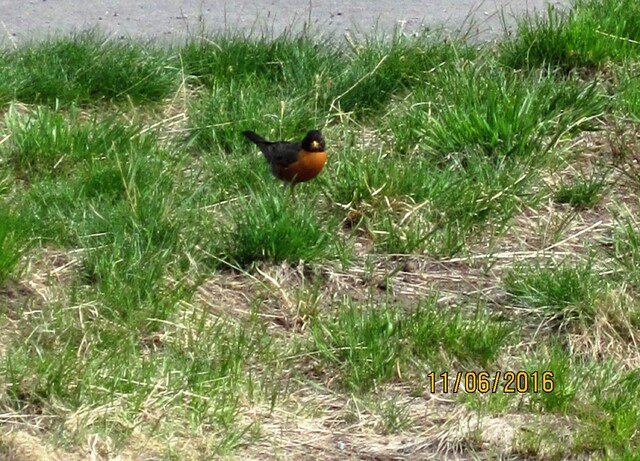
(21, 20)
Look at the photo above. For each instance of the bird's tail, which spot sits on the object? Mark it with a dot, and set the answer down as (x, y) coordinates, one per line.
(253, 137)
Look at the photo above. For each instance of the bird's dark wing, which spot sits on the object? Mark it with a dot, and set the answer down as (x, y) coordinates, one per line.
(281, 153)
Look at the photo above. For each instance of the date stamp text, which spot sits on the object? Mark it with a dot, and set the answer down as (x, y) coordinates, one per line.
(509, 382)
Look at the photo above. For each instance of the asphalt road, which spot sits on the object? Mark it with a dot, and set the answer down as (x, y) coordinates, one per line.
(22, 20)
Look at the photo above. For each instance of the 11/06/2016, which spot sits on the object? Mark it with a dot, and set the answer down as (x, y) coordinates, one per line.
(509, 382)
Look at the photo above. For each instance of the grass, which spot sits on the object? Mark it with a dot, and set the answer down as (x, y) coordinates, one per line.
(629, 97)
(585, 193)
(164, 297)
(373, 344)
(274, 228)
(86, 69)
(562, 292)
(579, 38)
(489, 110)
(10, 245)
(46, 142)
(627, 246)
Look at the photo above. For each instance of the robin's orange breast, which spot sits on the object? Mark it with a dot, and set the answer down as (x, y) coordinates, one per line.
(308, 166)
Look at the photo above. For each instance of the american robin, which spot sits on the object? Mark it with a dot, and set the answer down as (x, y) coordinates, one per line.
(293, 162)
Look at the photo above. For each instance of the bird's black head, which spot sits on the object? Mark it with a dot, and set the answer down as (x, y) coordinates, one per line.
(313, 141)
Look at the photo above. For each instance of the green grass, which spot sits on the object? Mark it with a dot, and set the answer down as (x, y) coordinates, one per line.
(373, 344)
(582, 38)
(468, 135)
(78, 359)
(599, 399)
(490, 110)
(50, 143)
(11, 247)
(290, 60)
(629, 97)
(583, 193)
(276, 227)
(87, 68)
(626, 247)
(561, 293)
(215, 119)
(165, 297)
(379, 69)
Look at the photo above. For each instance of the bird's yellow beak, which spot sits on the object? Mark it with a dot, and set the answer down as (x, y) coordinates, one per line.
(315, 144)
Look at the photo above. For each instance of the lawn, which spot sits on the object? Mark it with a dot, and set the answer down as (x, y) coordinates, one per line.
(462, 281)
